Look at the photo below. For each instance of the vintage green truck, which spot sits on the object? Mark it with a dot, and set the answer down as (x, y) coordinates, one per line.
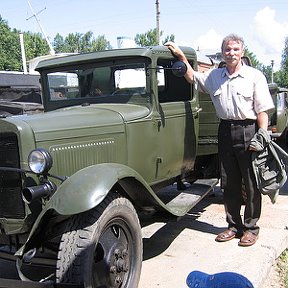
(120, 129)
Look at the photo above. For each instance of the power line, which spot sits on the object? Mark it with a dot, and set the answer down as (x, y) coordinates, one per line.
(52, 52)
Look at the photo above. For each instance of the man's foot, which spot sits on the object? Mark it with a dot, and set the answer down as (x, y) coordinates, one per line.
(248, 239)
(226, 236)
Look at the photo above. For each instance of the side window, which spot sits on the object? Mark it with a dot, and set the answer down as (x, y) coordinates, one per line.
(63, 85)
(130, 79)
(170, 87)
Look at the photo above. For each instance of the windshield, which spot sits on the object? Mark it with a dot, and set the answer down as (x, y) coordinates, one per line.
(103, 83)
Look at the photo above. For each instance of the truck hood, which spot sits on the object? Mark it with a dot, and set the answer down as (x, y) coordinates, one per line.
(82, 121)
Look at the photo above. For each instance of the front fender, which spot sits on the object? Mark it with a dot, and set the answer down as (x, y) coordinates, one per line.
(84, 190)
(88, 187)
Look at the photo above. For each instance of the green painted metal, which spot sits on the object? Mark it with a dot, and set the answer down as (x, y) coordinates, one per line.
(96, 145)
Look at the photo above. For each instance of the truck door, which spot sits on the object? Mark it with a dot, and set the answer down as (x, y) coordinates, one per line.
(177, 123)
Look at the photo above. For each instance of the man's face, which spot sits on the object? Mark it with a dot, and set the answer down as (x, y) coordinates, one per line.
(232, 52)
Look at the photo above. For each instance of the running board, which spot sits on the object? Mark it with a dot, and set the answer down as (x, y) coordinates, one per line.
(179, 202)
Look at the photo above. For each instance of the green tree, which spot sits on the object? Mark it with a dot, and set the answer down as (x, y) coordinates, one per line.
(150, 38)
(100, 43)
(281, 76)
(284, 62)
(10, 48)
(169, 38)
(58, 43)
(72, 43)
(254, 61)
(35, 45)
(80, 43)
(266, 70)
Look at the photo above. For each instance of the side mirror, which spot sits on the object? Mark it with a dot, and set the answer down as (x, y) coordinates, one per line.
(179, 68)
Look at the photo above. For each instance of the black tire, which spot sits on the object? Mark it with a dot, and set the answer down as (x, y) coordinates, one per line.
(102, 247)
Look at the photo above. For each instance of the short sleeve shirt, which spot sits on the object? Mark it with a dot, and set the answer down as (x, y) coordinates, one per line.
(239, 96)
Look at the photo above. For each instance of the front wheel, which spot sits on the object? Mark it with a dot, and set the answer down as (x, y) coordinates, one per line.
(102, 247)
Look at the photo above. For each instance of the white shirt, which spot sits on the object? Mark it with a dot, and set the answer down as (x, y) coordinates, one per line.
(240, 96)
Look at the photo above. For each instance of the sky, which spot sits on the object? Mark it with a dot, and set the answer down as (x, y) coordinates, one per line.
(200, 24)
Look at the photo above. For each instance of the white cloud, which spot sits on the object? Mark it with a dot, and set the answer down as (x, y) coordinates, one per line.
(210, 40)
(264, 35)
(269, 34)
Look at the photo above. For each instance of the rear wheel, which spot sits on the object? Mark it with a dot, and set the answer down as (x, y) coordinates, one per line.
(102, 247)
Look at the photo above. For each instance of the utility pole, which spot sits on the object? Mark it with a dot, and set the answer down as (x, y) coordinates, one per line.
(272, 76)
(23, 53)
(52, 52)
(157, 22)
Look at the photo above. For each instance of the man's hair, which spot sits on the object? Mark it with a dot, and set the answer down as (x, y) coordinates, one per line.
(232, 37)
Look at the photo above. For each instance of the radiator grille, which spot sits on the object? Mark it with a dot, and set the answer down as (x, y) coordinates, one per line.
(11, 203)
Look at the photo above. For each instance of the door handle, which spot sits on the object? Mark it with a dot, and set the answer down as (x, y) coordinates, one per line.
(198, 110)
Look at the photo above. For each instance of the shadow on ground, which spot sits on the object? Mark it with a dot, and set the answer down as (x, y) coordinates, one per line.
(163, 237)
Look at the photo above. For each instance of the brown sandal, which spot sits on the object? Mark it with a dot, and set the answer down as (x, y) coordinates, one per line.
(226, 236)
(248, 239)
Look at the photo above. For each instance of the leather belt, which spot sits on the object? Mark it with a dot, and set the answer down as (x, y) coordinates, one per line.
(239, 122)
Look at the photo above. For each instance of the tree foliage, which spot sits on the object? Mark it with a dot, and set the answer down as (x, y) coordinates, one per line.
(254, 61)
(284, 62)
(281, 76)
(150, 38)
(10, 48)
(266, 70)
(80, 43)
(35, 45)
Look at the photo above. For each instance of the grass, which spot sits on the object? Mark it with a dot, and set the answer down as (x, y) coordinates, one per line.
(283, 267)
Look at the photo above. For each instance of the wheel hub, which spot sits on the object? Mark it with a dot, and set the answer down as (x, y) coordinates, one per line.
(119, 266)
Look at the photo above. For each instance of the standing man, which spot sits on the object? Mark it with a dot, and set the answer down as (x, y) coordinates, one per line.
(241, 97)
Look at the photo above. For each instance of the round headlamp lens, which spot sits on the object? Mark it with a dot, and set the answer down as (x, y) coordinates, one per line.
(40, 161)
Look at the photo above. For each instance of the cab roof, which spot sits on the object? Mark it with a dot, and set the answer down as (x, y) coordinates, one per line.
(110, 54)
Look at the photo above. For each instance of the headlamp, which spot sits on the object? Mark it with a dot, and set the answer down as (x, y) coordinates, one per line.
(40, 161)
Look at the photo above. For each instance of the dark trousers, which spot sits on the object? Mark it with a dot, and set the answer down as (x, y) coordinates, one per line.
(237, 174)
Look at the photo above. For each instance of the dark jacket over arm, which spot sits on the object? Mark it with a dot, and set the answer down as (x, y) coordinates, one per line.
(270, 164)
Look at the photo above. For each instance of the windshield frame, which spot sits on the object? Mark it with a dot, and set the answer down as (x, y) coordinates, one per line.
(124, 62)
